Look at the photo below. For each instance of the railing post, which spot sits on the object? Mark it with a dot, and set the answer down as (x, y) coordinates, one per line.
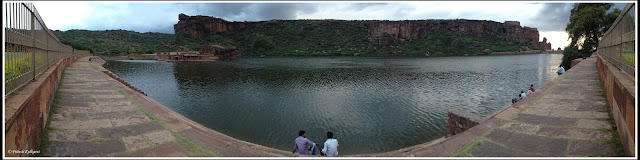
(33, 46)
(47, 50)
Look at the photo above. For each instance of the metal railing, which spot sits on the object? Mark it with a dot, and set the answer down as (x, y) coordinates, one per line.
(30, 47)
(618, 43)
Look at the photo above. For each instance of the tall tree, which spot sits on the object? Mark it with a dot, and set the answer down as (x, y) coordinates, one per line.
(587, 24)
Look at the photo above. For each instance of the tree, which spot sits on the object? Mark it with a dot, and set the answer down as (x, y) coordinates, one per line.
(587, 24)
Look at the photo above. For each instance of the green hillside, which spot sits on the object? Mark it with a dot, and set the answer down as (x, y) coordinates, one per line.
(300, 38)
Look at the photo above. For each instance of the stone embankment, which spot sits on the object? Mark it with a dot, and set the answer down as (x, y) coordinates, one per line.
(526, 52)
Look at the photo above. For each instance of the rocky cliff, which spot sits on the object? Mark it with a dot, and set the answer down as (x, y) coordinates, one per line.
(381, 32)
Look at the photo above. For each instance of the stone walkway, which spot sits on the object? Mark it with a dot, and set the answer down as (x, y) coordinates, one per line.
(96, 115)
(93, 117)
(568, 118)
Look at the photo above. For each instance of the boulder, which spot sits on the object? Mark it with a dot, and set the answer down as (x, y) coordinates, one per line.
(486, 51)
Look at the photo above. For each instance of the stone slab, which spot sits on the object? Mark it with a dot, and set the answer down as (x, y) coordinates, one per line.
(72, 135)
(586, 148)
(582, 134)
(521, 128)
(85, 149)
(543, 120)
(593, 124)
(490, 149)
(164, 150)
(85, 124)
(156, 138)
(579, 114)
(133, 120)
(99, 115)
(536, 111)
(129, 130)
(133, 143)
(535, 144)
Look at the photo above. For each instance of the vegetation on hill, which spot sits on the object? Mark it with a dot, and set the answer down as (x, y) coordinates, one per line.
(117, 41)
(299, 38)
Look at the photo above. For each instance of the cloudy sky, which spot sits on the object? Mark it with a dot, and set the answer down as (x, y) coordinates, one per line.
(549, 18)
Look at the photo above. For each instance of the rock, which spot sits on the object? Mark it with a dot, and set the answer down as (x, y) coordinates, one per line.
(223, 52)
(486, 51)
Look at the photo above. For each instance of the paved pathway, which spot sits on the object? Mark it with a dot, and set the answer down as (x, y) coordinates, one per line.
(569, 118)
(94, 117)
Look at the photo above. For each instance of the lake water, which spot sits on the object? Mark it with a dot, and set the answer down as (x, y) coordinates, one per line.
(371, 105)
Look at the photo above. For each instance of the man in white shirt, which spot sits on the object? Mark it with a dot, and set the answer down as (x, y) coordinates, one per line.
(330, 146)
(523, 94)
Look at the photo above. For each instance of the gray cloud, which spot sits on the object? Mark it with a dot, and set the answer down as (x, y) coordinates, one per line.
(160, 17)
(553, 16)
(361, 6)
(252, 11)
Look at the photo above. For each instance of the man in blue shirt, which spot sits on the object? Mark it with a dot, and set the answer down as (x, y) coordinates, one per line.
(560, 70)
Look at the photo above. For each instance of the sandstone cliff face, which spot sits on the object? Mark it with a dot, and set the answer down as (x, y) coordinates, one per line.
(409, 30)
(200, 26)
(380, 32)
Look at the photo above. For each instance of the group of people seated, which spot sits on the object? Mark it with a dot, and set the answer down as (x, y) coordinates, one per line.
(304, 146)
(522, 95)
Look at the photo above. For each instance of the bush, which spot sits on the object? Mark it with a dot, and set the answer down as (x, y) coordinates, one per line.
(151, 51)
(569, 54)
(114, 51)
(262, 42)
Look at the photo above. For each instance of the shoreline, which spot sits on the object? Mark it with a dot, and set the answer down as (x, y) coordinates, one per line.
(151, 57)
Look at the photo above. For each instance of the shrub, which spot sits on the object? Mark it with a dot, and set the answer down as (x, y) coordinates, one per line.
(114, 51)
(569, 54)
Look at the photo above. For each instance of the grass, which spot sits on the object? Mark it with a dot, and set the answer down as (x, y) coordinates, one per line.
(97, 140)
(194, 147)
(467, 149)
(94, 67)
(629, 58)
(45, 141)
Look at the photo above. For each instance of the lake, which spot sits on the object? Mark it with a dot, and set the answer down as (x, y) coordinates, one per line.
(371, 104)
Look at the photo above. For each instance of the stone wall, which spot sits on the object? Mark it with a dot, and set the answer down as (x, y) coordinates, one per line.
(27, 110)
(620, 91)
(460, 120)
(517, 52)
(575, 62)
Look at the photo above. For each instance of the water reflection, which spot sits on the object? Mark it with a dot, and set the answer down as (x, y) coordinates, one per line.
(371, 104)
